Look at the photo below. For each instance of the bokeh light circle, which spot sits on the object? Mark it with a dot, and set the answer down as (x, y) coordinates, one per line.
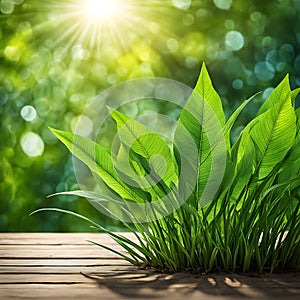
(182, 4)
(234, 40)
(223, 4)
(267, 92)
(32, 144)
(264, 71)
(28, 113)
(237, 84)
(131, 92)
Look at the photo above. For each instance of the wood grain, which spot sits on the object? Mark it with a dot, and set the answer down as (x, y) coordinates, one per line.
(65, 266)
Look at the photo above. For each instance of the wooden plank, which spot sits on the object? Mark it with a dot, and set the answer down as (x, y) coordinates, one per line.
(51, 247)
(58, 238)
(56, 291)
(91, 292)
(56, 251)
(62, 269)
(64, 262)
(69, 278)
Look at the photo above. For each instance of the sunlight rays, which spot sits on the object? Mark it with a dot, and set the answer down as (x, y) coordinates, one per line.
(97, 27)
(89, 23)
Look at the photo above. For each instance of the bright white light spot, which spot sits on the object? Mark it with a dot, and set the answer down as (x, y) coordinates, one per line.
(234, 40)
(32, 144)
(223, 4)
(101, 8)
(28, 113)
(182, 4)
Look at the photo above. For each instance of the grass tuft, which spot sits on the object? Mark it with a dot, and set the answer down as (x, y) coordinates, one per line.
(249, 221)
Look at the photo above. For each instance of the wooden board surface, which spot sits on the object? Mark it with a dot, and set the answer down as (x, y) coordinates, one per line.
(66, 266)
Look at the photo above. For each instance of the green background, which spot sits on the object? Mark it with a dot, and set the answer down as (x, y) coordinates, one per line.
(55, 59)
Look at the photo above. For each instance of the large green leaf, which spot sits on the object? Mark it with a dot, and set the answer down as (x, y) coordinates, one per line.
(147, 144)
(203, 118)
(274, 134)
(98, 160)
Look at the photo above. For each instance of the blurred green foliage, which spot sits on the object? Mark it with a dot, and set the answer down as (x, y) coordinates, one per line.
(55, 58)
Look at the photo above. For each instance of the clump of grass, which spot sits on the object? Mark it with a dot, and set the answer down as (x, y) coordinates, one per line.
(251, 222)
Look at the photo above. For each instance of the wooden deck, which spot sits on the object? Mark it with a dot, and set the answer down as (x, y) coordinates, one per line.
(65, 266)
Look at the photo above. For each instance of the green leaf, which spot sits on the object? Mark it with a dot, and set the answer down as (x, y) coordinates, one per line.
(203, 118)
(274, 134)
(98, 160)
(206, 90)
(99, 201)
(281, 93)
(147, 144)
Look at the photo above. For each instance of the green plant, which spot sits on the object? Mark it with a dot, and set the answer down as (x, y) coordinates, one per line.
(252, 223)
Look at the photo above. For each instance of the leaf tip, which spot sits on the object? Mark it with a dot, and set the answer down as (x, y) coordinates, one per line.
(53, 130)
(110, 109)
(34, 212)
(287, 76)
(286, 80)
(204, 75)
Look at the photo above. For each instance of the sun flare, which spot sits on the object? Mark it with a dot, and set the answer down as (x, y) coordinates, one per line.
(92, 28)
(101, 9)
